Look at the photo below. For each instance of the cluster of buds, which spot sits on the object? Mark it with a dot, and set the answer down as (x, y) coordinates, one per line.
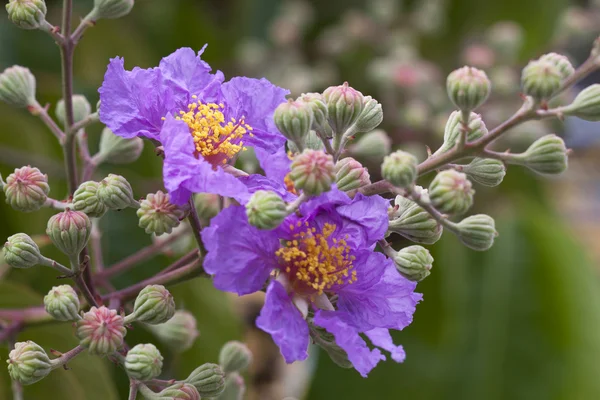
(542, 78)
(95, 198)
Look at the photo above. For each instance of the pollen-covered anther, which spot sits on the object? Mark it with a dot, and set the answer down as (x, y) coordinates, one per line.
(212, 135)
(316, 260)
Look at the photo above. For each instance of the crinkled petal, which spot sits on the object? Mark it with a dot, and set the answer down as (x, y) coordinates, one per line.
(276, 165)
(239, 262)
(370, 212)
(282, 320)
(362, 358)
(257, 182)
(381, 338)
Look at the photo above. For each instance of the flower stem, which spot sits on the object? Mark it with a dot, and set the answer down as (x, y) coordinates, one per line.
(196, 225)
(66, 357)
(56, 204)
(42, 112)
(133, 389)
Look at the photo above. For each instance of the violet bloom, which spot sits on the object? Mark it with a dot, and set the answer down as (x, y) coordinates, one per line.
(322, 269)
(201, 121)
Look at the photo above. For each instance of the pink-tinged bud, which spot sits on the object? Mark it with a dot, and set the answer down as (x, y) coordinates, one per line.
(451, 192)
(157, 215)
(179, 333)
(183, 391)
(468, 88)
(69, 231)
(344, 105)
(350, 174)
(101, 331)
(26, 189)
(313, 172)
(28, 363)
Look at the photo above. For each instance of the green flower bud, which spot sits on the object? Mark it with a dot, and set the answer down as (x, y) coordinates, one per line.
(235, 387)
(317, 105)
(101, 331)
(477, 232)
(370, 117)
(179, 333)
(208, 379)
(62, 303)
(313, 172)
(26, 189)
(85, 199)
(207, 205)
(344, 106)
(562, 64)
(451, 192)
(69, 231)
(547, 155)
(294, 119)
(143, 362)
(540, 79)
(17, 86)
(468, 88)
(28, 363)
(266, 209)
(312, 142)
(485, 171)
(81, 109)
(454, 128)
(20, 251)
(234, 357)
(157, 215)
(110, 9)
(413, 222)
(183, 391)
(586, 105)
(115, 192)
(413, 262)
(400, 169)
(153, 305)
(350, 174)
(372, 146)
(27, 14)
(117, 150)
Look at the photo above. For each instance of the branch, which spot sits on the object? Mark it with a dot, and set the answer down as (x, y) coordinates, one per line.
(42, 112)
(66, 357)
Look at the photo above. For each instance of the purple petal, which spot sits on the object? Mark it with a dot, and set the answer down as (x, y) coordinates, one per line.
(369, 212)
(276, 165)
(362, 358)
(280, 318)
(381, 338)
(257, 182)
(240, 262)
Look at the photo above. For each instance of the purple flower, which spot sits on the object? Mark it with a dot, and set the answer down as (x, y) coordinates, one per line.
(321, 268)
(201, 121)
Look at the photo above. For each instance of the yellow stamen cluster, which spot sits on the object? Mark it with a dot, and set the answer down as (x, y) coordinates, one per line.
(212, 136)
(316, 259)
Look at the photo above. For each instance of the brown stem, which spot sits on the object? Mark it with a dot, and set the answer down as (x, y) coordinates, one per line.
(189, 257)
(66, 357)
(196, 225)
(85, 290)
(29, 315)
(42, 113)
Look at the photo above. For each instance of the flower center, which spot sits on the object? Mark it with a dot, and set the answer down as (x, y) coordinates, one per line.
(316, 261)
(214, 139)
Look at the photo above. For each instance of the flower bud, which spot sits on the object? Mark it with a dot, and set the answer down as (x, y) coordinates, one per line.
(317, 105)
(28, 363)
(313, 172)
(586, 105)
(234, 357)
(344, 107)
(62, 303)
(371, 115)
(208, 379)
(235, 388)
(350, 174)
(413, 222)
(143, 362)
(101, 331)
(399, 168)
(373, 146)
(115, 192)
(477, 232)
(207, 205)
(27, 14)
(183, 391)
(81, 109)
(17, 86)
(69, 231)
(294, 119)
(26, 189)
(312, 142)
(451, 192)
(153, 305)
(468, 88)
(413, 262)
(85, 199)
(110, 9)
(266, 209)
(455, 127)
(562, 64)
(157, 215)
(547, 155)
(485, 171)
(179, 332)
(117, 150)
(20, 251)
(540, 79)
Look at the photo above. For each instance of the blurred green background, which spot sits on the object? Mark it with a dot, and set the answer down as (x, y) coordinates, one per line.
(520, 321)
